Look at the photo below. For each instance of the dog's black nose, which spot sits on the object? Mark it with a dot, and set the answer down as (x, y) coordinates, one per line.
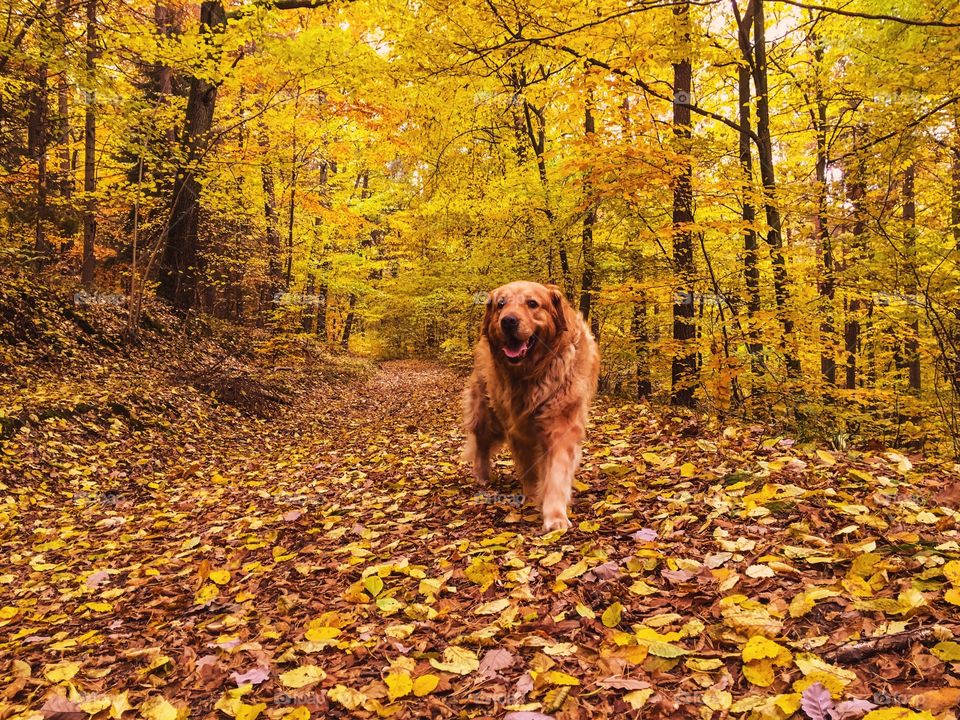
(509, 322)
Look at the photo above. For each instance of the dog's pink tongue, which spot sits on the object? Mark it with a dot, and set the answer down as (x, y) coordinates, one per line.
(515, 353)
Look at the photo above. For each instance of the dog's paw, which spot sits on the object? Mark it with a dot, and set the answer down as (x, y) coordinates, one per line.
(559, 522)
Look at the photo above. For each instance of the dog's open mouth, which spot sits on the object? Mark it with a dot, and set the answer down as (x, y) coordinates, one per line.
(516, 349)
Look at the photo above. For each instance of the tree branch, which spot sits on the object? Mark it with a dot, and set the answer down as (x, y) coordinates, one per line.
(871, 16)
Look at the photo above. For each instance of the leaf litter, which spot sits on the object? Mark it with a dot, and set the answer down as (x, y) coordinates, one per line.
(335, 560)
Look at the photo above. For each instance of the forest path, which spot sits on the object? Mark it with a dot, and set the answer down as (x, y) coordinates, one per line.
(339, 559)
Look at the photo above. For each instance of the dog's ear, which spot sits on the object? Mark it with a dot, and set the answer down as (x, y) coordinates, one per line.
(556, 309)
(487, 316)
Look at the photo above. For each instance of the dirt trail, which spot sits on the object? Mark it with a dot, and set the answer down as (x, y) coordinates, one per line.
(345, 535)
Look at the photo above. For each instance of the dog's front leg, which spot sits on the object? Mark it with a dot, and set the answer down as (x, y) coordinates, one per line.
(559, 465)
(483, 430)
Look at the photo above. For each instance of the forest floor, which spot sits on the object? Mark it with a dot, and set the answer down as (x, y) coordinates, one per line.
(166, 555)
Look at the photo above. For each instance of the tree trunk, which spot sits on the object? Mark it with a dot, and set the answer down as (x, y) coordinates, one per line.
(774, 237)
(274, 282)
(856, 194)
(911, 346)
(587, 289)
(348, 324)
(88, 268)
(684, 365)
(37, 141)
(751, 268)
(640, 332)
(534, 123)
(179, 272)
(827, 285)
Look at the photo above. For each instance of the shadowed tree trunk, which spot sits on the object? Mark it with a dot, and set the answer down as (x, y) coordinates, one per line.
(587, 289)
(37, 141)
(827, 285)
(684, 365)
(179, 272)
(911, 346)
(856, 194)
(274, 282)
(774, 236)
(751, 268)
(88, 267)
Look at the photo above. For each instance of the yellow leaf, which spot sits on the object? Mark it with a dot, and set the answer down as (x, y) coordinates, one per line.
(951, 571)
(761, 648)
(373, 585)
(611, 616)
(298, 713)
(399, 684)
(552, 559)
(718, 700)
(560, 649)
(826, 458)
(425, 684)
(555, 677)
(158, 708)
(897, 713)
(401, 631)
(492, 607)
(804, 602)
(119, 705)
(458, 660)
(688, 470)
(759, 672)
(704, 664)
(220, 577)
(638, 698)
(97, 606)
(61, 671)
(250, 712)
(8, 611)
(205, 594)
(95, 704)
(948, 651)
(482, 572)
(574, 571)
(302, 676)
(319, 633)
(585, 612)
(952, 596)
(348, 697)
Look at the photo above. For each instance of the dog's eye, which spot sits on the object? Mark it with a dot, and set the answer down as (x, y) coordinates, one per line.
(533, 304)
(501, 302)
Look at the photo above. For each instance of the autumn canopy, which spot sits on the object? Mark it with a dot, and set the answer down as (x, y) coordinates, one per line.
(245, 248)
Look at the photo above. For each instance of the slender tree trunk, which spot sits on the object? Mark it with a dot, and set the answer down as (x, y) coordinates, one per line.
(37, 149)
(348, 324)
(88, 268)
(534, 123)
(751, 267)
(587, 288)
(684, 365)
(911, 345)
(274, 282)
(179, 272)
(827, 285)
(64, 180)
(641, 341)
(767, 176)
(856, 194)
(291, 213)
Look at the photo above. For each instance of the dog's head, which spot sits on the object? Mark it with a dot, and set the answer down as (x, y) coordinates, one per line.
(523, 322)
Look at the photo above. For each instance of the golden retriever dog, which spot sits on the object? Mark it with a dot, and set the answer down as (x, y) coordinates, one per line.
(534, 376)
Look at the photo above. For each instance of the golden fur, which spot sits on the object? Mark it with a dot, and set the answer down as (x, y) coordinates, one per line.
(534, 376)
